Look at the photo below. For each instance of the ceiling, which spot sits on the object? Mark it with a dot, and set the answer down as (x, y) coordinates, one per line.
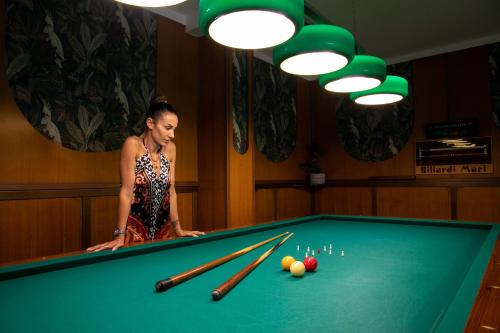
(395, 30)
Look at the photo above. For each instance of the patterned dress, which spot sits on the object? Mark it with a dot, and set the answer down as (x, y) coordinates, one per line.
(150, 210)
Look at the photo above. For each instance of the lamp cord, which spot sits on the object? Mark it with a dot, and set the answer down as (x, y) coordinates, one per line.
(353, 8)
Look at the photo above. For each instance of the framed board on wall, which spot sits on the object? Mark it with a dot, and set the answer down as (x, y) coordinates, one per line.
(454, 156)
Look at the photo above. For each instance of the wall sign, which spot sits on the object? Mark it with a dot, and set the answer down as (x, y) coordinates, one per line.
(454, 156)
(456, 129)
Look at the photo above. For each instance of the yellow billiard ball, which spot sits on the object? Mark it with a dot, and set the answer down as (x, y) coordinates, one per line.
(297, 268)
(286, 262)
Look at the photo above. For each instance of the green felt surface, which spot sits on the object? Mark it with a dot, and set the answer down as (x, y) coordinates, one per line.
(395, 276)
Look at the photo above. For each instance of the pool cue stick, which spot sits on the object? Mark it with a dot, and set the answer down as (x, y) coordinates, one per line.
(224, 288)
(169, 282)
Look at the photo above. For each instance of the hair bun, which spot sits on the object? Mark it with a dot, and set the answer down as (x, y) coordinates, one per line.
(158, 105)
(159, 99)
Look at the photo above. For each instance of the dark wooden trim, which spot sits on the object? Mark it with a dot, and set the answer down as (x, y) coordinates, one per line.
(228, 114)
(427, 182)
(186, 187)
(56, 193)
(312, 202)
(194, 211)
(267, 184)
(385, 182)
(373, 191)
(454, 203)
(275, 203)
(86, 220)
(83, 191)
(65, 186)
(46, 191)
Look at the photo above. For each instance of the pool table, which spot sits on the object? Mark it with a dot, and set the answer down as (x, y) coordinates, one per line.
(395, 275)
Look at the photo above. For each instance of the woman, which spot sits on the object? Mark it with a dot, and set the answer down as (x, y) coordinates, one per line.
(147, 207)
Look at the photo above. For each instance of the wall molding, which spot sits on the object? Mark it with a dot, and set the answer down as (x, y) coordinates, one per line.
(73, 190)
(383, 182)
(452, 184)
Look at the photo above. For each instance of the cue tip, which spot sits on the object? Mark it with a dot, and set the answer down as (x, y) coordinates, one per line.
(164, 285)
(216, 295)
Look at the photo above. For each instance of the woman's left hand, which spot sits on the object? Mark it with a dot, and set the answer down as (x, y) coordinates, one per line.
(190, 233)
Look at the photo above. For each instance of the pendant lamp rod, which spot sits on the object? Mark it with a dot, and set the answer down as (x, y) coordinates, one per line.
(312, 16)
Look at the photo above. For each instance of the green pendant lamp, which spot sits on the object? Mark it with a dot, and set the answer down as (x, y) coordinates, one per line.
(362, 73)
(392, 90)
(251, 24)
(151, 3)
(316, 49)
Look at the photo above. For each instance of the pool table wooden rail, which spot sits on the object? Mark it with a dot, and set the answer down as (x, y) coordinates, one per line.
(485, 315)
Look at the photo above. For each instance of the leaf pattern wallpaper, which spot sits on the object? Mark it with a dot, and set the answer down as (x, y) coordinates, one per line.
(239, 105)
(376, 133)
(81, 71)
(275, 115)
(494, 59)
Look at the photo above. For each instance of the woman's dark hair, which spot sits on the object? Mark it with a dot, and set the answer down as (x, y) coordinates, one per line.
(159, 105)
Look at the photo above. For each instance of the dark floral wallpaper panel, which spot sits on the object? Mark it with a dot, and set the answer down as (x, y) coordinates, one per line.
(377, 133)
(239, 107)
(81, 71)
(494, 60)
(275, 115)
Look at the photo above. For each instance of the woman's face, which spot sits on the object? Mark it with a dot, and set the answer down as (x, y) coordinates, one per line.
(162, 129)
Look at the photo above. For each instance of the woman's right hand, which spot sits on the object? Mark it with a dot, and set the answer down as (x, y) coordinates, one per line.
(113, 245)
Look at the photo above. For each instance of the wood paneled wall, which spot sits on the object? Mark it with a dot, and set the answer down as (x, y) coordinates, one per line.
(453, 87)
(289, 169)
(177, 79)
(192, 73)
(48, 221)
(266, 205)
(240, 167)
(415, 202)
(293, 203)
(32, 225)
(29, 158)
(281, 203)
(212, 168)
(336, 163)
(103, 215)
(479, 204)
(449, 87)
(474, 200)
(33, 159)
(344, 201)
(39, 227)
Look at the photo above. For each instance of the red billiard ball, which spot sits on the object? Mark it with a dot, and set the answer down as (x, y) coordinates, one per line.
(311, 264)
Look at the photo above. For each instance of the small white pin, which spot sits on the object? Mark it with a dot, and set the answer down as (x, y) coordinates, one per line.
(330, 252)
(308, 249)
(313, 252)
(307, 254)
(298, 248)
(342, 253)
(324, 248)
